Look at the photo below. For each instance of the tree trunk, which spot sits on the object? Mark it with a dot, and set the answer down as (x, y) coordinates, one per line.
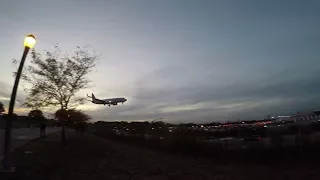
(63, 134)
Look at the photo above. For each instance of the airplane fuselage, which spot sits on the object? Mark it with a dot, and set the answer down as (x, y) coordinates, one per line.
(113, 101)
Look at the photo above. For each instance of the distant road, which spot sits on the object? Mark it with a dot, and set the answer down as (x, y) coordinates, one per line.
(23, 135)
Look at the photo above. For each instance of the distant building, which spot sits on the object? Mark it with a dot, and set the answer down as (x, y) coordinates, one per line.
(283, 119)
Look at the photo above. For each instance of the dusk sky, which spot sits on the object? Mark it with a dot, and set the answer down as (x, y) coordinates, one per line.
(182, 60)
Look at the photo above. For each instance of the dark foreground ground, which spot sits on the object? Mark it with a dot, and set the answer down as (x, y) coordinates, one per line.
(95, 158)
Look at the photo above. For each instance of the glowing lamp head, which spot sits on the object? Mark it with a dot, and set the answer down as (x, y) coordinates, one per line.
(29, 41)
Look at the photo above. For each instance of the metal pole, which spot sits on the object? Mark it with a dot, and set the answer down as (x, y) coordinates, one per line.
(6, 162)
(238, 128)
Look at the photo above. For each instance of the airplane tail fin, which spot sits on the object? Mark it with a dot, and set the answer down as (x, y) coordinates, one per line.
(92, 96)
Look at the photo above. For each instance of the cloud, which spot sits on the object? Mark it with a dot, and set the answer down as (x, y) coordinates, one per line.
(4, 90)
(169, 94)
(5, 94)
(247, 99)
(183, 62)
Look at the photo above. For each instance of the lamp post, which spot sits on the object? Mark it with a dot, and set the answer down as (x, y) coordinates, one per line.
(29, 42)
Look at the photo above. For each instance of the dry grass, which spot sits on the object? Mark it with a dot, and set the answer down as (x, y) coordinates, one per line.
(94, 158)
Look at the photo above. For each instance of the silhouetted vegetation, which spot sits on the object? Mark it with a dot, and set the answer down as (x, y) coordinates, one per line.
(1, 108)
(56, 78)
(31, 120)
(36, 117)
(71, 117)
(184, 140)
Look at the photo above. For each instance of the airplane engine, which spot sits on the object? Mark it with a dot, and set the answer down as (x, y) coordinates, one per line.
(114, 104)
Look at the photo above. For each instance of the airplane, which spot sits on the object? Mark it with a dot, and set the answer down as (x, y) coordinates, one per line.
(113, 101)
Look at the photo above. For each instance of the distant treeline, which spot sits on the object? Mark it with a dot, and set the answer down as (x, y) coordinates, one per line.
(25, 121)
(161, 129)
(191, 142)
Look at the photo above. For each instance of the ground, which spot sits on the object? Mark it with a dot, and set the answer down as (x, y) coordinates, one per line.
(22, 136)
(91, 157)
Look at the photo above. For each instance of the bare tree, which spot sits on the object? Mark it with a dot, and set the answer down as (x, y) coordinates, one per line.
(56, 78)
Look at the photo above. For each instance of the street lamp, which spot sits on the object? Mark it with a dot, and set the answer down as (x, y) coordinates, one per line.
(29, 42)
